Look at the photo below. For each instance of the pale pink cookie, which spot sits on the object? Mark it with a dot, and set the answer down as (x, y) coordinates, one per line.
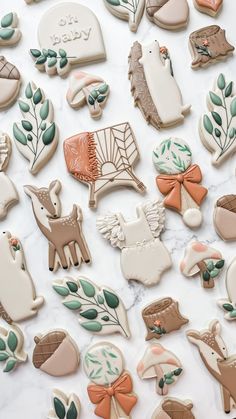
(168, 14)
(11, 348)
(66, 406)
(10, 81)
(8, 193)
(172, 408)
(210, 7)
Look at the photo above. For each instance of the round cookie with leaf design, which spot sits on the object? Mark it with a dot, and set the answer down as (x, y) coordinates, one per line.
(172, 156)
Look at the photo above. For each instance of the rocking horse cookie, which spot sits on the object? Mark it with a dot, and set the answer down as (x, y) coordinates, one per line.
(179, 180)
(229, 305)
(127, 10)
(210, 7)
(168, 14)
(103, 159)
(8, 193)
(10, 34)
(64, 406)
(171, 408)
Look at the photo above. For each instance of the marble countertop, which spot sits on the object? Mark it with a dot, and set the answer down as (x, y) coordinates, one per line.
(26, 394)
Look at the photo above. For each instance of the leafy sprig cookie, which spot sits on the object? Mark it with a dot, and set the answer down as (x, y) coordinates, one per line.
(64, 406)
(9, 32)
(11, 348)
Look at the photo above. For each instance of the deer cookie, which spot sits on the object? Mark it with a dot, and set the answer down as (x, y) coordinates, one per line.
(9, 32)
(168, 14)
(153, 86)
(64, 406)
(225, 216)
(67, 245)
(180, 180)
(10, 81)
(111, 387)
(214, 354)
(18, 299)
(172, 408)
(131, 10)
(229, 305)
(8, 193)
(157, 362)
(104, 159)
(210, 7)
(144, 257)
(11, 348)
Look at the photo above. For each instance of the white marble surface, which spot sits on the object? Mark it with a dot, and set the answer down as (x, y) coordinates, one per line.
(26, 393)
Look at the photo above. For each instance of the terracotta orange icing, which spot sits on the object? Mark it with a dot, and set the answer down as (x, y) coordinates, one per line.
(210, 4)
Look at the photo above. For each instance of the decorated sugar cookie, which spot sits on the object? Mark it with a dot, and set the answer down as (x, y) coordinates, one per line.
(18, 299)
(180, 180)
(224, 217)
(214, 354)
(100, 309)
(209, 45)
(161, 364)
(66, 407)
(36, 135)
(161, 317)
(153, 86)
(67, 245)
(217, 127)
(68, 33)
(203, 260)
(171, 408)
(127, 10)
(104, 159)
(111, 388)
(229, 305)
(56, 353)
(88, 89)
(9, 32)
(210, 7)
(8, 193)
(168, 14)
(11, 348)
(10, 81)
(144, 257)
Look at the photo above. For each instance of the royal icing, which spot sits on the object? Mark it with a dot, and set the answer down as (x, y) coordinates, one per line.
(210, 7)
(179, 180)
(203, 260)
(11, 348)
(9, 32)
(100, 309)
(103, 159)
(10, 81)
(171, 408)
(168, 14)
(18, 299)
(131, 10)
(217, 127)
(157, 362)
(68, 33)
(64, 406)
(67, 245)
(224, 217)
(36, 136)
(8, 193)
(153, 86)
(229, 305)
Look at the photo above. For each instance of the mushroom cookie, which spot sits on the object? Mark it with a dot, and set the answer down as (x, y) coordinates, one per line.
(203, 260)
(8, 193)
(10, 81)
(56, 353)
(18, 299)
(11, 348)
(100, 309)
(162, 317)
(217, 127)
(171, 408)
(88, 89)
(68, 34)
(144, 257)
(225, 217)
(161, 364)
(229, 305)
(131, 10)
(168, 14)
(111, 387)
(64, 406)
(36, 135)
(209, 45)
(180, 180)
(210, 7)
(153, 86)
(9, 32)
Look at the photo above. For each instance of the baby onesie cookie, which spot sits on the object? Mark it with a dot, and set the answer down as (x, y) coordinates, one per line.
(203, 260)
(9, 32)
(68, 34)
(36, 136)
(172, 408)
(88, 89)
(162, 316)
(67, 245)
(209, 45)
(217, 127)
(8, 193)
(229, 305)
(111, 388)
(64, 406)
(210, 7)
(161, 364)
(18, 299)
(10, 81)
(11, 348)
(100, 309)
(104, 159)
(224, 217)
(214, 354)
(127, 10)
(56, 353)
(153, 86)
(144, 257)
(179, 180)
(168, 14)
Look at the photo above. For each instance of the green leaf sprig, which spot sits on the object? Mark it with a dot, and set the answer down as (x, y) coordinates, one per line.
(65, 410)
(129, 5)
(8, 346)
(98, 95)
(6, 29)
(53, 59)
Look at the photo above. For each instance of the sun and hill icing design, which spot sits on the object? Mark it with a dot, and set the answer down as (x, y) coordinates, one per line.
(168, 14)
(8, 193)
(171, 408)
(131, 10)
(10, 81)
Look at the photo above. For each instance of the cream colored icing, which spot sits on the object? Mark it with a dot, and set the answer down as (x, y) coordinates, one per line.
(225, 223)
(9, 90)
(173, 14)
(64, 361)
